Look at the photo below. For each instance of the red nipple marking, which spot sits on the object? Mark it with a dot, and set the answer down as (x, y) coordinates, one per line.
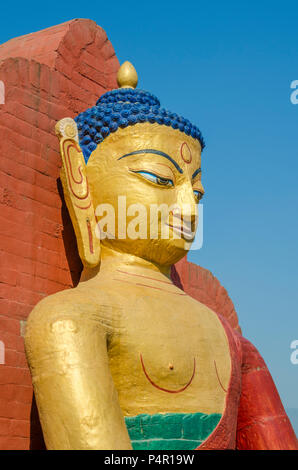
(165, 389)
(220, 383)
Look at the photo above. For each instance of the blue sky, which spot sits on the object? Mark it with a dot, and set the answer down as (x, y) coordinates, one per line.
(227, 66)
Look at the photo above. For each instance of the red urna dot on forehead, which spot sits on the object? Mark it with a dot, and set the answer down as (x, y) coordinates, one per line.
(185, 153)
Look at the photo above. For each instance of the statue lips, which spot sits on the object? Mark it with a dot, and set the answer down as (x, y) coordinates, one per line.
(165, 389)
(183, 231)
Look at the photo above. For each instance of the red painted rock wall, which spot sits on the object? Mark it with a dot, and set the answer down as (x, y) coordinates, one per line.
(49, 75)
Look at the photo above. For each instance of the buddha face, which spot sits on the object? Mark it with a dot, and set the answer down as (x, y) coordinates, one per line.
(148, 177)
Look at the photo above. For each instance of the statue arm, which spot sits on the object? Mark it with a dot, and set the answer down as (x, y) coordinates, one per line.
(262, 420)
(75, 395)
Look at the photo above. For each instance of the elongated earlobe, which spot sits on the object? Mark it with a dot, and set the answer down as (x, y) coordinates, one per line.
(76, 192)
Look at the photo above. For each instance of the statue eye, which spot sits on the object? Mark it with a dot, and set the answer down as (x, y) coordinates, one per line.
(198, 195)
(155, 178)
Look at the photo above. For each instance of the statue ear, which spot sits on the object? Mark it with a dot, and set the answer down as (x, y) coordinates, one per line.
(76, 192)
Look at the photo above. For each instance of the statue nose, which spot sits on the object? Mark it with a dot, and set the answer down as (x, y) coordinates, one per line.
(186, 202)
(185, 212)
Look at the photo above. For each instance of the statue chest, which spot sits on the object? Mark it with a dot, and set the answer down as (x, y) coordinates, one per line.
(169, 357)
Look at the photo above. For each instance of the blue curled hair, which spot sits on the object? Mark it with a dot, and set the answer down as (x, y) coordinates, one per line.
(125, 107)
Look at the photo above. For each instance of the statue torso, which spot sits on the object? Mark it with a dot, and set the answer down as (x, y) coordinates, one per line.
(169, 358)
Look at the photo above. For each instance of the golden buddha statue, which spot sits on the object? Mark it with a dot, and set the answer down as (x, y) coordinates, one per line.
(126, 359)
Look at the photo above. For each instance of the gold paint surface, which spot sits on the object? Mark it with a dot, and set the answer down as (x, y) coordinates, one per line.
(127, 76)
(110, 177)
(84, 345)
(77, 193)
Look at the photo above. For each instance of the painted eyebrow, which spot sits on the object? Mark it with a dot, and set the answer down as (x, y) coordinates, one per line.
(196, 173)
(155, 152)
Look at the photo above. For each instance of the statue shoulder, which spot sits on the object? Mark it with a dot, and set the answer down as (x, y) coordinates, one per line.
(67, 302)
(65, 312)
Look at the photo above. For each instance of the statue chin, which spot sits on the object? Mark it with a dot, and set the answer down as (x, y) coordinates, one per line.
(160, 251)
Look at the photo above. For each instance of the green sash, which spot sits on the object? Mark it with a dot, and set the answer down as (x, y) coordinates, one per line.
(170, 431)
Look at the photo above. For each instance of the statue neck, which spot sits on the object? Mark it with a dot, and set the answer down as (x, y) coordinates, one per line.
(112, 260)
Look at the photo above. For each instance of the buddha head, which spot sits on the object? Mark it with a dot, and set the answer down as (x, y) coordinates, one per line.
(131, 175)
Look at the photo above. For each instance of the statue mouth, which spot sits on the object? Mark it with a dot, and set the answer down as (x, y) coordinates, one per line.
(183, 232)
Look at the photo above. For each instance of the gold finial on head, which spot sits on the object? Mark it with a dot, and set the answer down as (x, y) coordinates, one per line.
(127, 76)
